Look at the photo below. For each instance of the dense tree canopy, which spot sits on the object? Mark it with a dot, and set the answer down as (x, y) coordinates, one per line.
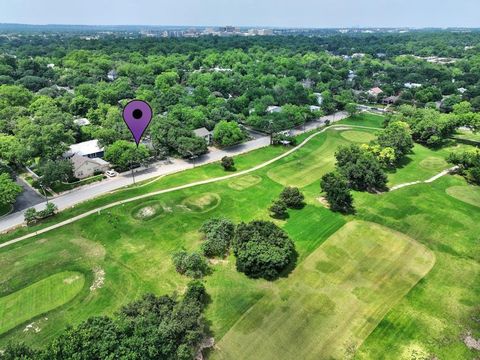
(153, 327)
(263, 250)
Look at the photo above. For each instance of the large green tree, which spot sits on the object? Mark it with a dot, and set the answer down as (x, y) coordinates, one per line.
(125, 154)
(228, 133)
(263, 250)
(9, 190)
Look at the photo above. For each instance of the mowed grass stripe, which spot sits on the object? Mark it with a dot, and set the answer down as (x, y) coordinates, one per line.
(39, 298)
(333, 300)
(309, 163)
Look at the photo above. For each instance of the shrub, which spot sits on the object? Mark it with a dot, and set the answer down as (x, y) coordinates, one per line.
(278, 209)
(292, 197)
(30, 216)
(228, 163)
(263, 250)
(193, 265)
(218, 235)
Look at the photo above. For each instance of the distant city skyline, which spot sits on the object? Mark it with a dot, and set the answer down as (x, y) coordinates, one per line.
(254, 13)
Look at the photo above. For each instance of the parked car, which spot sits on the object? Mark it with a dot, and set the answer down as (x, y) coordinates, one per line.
(111, 173)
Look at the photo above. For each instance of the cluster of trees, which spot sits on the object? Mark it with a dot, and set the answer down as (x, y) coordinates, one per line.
(290, 197)
(362, 168)
(261, 248)
(468, 162)
(164, 327)
(357, 169)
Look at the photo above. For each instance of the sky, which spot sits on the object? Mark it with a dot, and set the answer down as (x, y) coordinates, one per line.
(268, 13)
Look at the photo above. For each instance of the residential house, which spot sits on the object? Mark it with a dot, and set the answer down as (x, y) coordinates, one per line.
(205, 134)
(307, 83)
(84, 167)
(314, 108)
(390, 100)
(274, 109)
(90, 149)
(81, 121)
(112, 75)
(410, 85)
(375, 92)
(319, 98)
(462, 90)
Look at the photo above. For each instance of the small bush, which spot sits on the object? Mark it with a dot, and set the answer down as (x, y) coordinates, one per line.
(292, 197)
(278, 209)
(193, 265)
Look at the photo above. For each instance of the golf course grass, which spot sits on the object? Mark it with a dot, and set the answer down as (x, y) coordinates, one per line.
(333, 300)
(353, 271)
(357, 136)
(38, 298)
(469, 194)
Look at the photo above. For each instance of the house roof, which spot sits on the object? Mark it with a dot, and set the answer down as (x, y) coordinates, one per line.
(78, 161)
(201, 132)
(81, 121)
(273, 108)
(85, 148)
(375, 90)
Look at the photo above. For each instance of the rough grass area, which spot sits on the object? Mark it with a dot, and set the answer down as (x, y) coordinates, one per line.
(467, 193)
(332, 301)
(357, 136)
(39, 298)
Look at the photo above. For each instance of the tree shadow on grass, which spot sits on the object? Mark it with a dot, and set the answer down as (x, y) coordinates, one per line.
(290, 267)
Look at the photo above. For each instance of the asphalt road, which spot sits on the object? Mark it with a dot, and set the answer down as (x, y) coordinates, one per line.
(89, 192)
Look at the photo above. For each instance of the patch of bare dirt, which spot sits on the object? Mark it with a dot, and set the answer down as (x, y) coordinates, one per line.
(71, 279)
(35, 326)
(99, 278)
(217, 261)
(471, 342)
(205, 344)
(322, 200)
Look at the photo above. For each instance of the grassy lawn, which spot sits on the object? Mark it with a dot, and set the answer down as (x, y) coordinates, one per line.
(38, 298)
(467, 135)
(334, 300)
(443, 307)
(350, 272)
(466, 193)
(61, 187)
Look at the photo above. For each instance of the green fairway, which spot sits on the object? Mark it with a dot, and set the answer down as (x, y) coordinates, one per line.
(333, 300)
(468, 194)
(311, 162)
(125, 251)
(39, 298)
(442, 308)
(244, 182)
(357, 136)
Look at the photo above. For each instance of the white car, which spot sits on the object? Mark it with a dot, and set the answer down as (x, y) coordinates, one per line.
(111, 173)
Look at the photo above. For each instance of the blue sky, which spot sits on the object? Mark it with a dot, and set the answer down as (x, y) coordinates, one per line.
(294, 13)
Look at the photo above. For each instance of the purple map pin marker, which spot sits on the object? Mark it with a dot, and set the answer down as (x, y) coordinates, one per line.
(137, 114)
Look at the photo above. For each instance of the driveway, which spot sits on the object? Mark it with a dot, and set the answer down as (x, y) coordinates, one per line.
(27, 198)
